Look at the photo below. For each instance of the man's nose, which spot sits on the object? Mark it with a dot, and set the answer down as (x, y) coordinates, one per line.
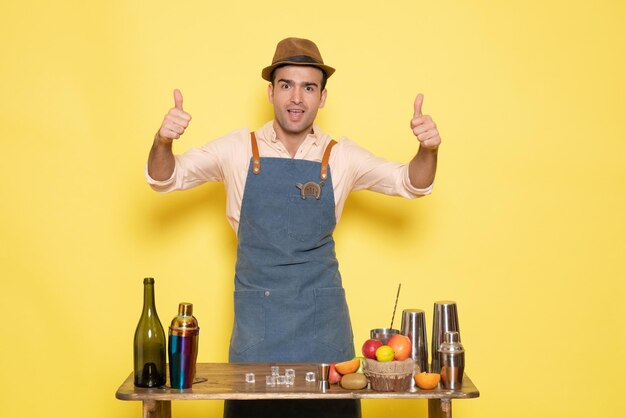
(296, 96)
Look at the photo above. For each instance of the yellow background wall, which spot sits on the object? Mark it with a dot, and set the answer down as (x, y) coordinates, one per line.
(525, 229)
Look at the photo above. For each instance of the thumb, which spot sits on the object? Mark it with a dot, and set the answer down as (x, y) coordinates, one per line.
(417, 106)
(178, 99)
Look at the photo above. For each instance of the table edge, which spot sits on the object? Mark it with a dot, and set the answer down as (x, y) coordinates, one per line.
(168, 394)
(190, 395)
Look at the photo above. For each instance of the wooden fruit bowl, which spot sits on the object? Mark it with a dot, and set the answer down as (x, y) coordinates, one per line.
(389, 376)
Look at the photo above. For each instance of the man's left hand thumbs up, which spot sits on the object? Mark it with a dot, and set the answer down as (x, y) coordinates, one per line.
(423, 126)
(417, 106)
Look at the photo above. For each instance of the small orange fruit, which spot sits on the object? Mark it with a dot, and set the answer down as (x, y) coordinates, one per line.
(349, 366)
(427, 380)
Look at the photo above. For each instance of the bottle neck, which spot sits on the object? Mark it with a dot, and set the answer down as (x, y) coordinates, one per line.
(149, 308)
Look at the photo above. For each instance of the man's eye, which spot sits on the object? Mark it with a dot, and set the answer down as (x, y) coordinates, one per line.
(310, 88)
(284, 86)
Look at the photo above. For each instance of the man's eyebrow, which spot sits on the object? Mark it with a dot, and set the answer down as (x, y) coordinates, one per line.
(291, 82)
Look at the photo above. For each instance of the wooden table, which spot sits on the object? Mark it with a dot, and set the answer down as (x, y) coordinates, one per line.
(220, 381)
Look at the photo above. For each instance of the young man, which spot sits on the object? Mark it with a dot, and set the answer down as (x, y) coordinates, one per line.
(286, 185)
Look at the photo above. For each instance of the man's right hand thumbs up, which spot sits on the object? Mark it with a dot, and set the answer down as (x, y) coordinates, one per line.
(175, 121)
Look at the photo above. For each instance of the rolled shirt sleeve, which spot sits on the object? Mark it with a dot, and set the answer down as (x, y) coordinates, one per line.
(367, 171)
(207, 163)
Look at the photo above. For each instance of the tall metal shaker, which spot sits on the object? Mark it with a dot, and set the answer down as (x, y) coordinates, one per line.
(445, 318)
(414, 327)
(183, 347)
(452, 361)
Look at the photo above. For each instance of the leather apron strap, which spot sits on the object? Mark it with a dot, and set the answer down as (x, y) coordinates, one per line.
(256, 158)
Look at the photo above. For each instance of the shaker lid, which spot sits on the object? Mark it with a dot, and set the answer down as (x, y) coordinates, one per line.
(451, 343)
(185, 309)
(184, 320)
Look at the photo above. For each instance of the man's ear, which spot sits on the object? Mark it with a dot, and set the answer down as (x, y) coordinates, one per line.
(323, 99)
(270, 92)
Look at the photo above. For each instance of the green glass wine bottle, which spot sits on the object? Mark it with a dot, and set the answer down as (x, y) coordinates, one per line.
(149, 347)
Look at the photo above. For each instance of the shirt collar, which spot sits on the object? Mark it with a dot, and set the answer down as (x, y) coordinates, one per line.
(268, 133)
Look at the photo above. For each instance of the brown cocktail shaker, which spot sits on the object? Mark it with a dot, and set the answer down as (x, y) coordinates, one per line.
(183, 347)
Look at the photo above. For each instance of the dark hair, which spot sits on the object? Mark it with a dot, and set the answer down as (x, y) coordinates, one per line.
(324, 76)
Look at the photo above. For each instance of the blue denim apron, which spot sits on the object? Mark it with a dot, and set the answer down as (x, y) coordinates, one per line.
(290, 305)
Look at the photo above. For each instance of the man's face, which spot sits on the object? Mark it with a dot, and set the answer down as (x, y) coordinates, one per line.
(296, 96)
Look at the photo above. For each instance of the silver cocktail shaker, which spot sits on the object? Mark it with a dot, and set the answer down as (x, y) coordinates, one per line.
(183, 347)
(445, 318)
(452, 361)
(414, 327)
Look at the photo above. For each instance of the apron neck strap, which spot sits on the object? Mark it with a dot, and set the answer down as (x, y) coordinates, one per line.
(325, 158)
(256, 159)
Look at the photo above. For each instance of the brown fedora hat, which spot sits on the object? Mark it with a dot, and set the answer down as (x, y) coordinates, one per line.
(296, 51)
